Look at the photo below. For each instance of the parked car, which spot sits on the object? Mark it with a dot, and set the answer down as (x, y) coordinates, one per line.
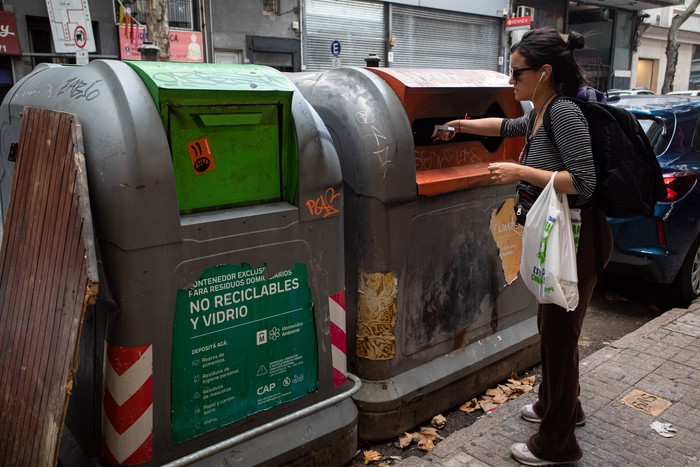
(691, 92)
(665, 248)
(630, 92)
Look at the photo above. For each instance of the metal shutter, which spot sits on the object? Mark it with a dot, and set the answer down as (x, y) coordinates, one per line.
(439, 39)
(358, 25)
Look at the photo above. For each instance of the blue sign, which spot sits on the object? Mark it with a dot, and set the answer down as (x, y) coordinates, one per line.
(335, 48)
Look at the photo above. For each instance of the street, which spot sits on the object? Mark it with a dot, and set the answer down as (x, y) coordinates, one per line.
(618, 307)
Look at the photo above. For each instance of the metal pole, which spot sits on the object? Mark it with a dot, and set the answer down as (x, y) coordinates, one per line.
(262, 429)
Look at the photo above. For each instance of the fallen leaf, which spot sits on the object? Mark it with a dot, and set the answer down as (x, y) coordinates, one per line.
(406, 439)
(506, 390)
(487, 406)
(431, 433)
(494, 392)
(470, 406)
(371, 456)
(425, 444)
(438, 421)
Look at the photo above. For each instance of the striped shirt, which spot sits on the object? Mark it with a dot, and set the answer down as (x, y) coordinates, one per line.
(570, 131)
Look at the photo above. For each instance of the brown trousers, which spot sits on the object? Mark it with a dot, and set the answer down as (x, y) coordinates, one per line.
(558, 405)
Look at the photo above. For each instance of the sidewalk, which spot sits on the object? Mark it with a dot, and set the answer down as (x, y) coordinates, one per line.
(662, 358)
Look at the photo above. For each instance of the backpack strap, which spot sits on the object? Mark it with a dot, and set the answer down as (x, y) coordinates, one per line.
(597, 228)
(547, 120)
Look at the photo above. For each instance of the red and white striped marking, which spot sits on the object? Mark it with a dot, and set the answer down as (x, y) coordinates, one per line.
(127, 418)
(338, 338)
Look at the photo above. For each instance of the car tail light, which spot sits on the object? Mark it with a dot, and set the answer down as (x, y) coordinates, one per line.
(678, 184)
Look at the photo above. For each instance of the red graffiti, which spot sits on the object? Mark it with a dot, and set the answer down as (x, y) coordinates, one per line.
(323, 204)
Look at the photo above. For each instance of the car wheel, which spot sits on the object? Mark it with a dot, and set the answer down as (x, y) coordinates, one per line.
(687, 283)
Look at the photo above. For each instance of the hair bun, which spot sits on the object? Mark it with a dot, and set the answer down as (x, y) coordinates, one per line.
(575, 41)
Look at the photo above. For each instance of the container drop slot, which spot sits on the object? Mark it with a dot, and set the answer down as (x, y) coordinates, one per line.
(462, 162)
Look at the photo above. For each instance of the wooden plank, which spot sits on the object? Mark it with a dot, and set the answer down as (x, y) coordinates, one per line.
(48, 276)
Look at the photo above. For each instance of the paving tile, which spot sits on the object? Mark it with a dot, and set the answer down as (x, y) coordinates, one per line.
(463, 459)
(664, 387)
(661, 358)
(679, 373)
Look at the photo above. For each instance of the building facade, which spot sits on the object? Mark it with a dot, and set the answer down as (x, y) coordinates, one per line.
(649, 61)
(311, 35)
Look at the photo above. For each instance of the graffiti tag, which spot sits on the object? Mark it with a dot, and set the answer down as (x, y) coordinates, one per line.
(79, 89)
(323, 204)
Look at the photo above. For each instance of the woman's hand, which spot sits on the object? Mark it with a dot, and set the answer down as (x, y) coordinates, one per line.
(505, 172)
(444, 135)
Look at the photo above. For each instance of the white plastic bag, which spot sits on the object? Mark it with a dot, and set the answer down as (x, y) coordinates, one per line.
(548, 263)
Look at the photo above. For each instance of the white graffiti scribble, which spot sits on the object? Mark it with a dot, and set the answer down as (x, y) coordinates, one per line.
(431, 159)
(384, 162)
(364, 116)
(376, 134)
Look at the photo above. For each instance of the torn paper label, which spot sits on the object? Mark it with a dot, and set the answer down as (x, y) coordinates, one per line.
(508, 238)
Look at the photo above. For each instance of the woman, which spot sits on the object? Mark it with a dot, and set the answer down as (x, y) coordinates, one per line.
(543, 68)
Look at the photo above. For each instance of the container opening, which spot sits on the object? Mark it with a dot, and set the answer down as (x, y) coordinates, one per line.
(423, 129)
(462, 162)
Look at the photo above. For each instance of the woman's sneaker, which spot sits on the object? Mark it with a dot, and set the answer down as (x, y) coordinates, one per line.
(529, 414)
(523, 455)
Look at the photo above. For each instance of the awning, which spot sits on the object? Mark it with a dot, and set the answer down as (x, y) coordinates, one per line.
(635, 4)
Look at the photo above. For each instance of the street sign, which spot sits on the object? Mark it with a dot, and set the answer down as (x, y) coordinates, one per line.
(71, 25)
(335, 48)
(80, 37)
(517, 23)
(82, 57)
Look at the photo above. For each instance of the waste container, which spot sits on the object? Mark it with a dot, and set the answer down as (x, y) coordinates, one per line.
(430, 320)
(218, 336)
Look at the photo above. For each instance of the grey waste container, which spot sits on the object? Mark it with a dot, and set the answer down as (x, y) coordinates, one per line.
(217, 200)
(430, 322)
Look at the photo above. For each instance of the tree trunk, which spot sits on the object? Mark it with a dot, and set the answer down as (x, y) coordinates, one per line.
(158, 31)
(672, 45)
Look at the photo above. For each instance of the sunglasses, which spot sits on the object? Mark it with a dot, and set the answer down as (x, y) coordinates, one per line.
(516, 72)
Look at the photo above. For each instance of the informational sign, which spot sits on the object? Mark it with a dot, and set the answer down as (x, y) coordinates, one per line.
(71, 26)
(243, 342)
(335, 48)
(9, 44)
(82, 57)
(518, 23)
(185, 46)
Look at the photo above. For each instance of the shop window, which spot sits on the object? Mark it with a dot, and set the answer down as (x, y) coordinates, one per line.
(694, 82)
(40, 41)
(180, 12)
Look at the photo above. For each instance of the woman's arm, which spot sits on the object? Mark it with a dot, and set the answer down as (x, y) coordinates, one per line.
(481, 126)
(510, 172)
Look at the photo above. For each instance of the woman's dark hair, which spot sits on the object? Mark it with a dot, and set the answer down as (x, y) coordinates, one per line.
(544, 46)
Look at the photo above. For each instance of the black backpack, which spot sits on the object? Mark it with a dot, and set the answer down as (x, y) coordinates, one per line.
(628, 177)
